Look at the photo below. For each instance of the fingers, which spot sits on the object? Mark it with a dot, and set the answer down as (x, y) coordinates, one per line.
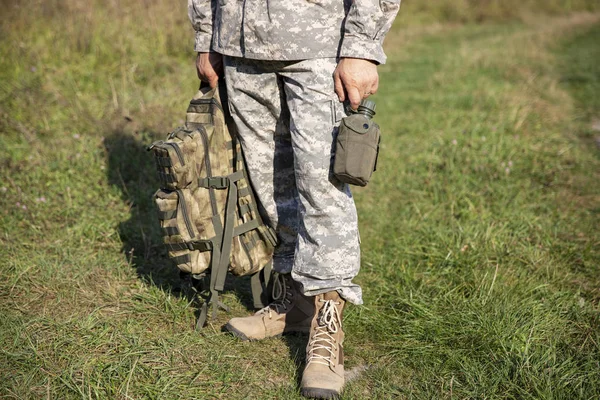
(213, 81)
(355, 79)
(357, 92)
(374, 85)
(199, 66)
(208, 67)
(216, 61)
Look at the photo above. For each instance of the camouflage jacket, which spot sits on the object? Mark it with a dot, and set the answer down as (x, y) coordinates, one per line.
(293, 29)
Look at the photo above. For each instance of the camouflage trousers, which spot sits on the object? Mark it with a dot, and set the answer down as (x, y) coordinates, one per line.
(287, 116)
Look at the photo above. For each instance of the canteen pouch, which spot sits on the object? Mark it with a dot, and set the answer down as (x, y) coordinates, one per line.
(356, 150)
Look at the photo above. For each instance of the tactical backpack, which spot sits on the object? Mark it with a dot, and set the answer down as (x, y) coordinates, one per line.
(206, 206)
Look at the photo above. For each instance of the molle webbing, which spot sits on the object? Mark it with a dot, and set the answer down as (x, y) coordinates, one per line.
(171, 230)
(164, 161)
(200, 245)
(166, 177)
(244, 209)
(181, 259)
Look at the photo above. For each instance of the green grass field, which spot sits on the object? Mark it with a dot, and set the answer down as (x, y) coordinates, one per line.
(480, 230)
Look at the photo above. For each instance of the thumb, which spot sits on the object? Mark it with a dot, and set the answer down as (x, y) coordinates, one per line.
(213, 82)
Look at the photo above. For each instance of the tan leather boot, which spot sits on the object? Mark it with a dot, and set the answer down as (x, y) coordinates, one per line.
(290, 311)
(323, 376)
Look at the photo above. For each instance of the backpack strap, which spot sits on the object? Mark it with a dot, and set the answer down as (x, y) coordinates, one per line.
(228, 231)
(221, 243)
(209, 296)
(259, 284)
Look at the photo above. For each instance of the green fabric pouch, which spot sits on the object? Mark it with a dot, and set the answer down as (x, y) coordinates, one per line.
(356, 149)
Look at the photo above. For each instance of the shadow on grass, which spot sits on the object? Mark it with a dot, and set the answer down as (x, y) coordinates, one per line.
(131, 168)
(296, 343)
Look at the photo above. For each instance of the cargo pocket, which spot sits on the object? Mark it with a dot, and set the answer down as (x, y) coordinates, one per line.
(337, 112)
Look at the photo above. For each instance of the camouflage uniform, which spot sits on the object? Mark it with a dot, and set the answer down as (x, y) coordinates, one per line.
(293, 29)
(279, 60)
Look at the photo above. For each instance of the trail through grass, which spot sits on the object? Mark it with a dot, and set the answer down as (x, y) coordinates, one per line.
(480, 229)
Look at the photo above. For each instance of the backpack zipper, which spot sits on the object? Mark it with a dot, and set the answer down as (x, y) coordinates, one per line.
(177, 150)
(186, 217)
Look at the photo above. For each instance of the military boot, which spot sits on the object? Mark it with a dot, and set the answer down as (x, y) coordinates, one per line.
(290, 311)
(323, 376)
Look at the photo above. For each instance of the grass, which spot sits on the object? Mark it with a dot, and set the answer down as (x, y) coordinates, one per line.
(478, 11)
(480, 239)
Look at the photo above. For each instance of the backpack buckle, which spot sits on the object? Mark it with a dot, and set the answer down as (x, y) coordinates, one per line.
(202, 245)
(215, 182)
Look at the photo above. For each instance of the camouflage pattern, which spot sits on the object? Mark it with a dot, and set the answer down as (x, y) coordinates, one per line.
(172, 159)
(293, 29)
(287, 116)
(196, 206)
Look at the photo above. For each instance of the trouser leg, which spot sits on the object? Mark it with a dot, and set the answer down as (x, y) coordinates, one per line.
(287, 115)
(255, 95)
(327, 252)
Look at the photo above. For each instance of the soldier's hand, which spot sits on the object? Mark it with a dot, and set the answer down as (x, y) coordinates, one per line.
(209, 67)
(355, 79)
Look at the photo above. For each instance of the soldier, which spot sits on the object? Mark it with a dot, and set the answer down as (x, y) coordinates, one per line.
(288, 68)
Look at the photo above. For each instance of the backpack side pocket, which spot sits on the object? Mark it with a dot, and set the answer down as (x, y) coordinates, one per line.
(180, 235)
(177, 159)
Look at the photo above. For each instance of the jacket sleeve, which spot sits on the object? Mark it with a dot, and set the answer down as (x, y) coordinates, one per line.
(367, 23)
(201, 15)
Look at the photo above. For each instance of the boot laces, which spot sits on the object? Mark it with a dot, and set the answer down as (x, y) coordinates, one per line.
(328, 324)
(281, 296)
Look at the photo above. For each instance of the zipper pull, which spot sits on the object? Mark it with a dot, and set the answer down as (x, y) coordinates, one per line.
(175, 132)
(153, 145)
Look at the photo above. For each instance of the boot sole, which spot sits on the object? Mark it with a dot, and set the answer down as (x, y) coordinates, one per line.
(318, 393)
(240, 335)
